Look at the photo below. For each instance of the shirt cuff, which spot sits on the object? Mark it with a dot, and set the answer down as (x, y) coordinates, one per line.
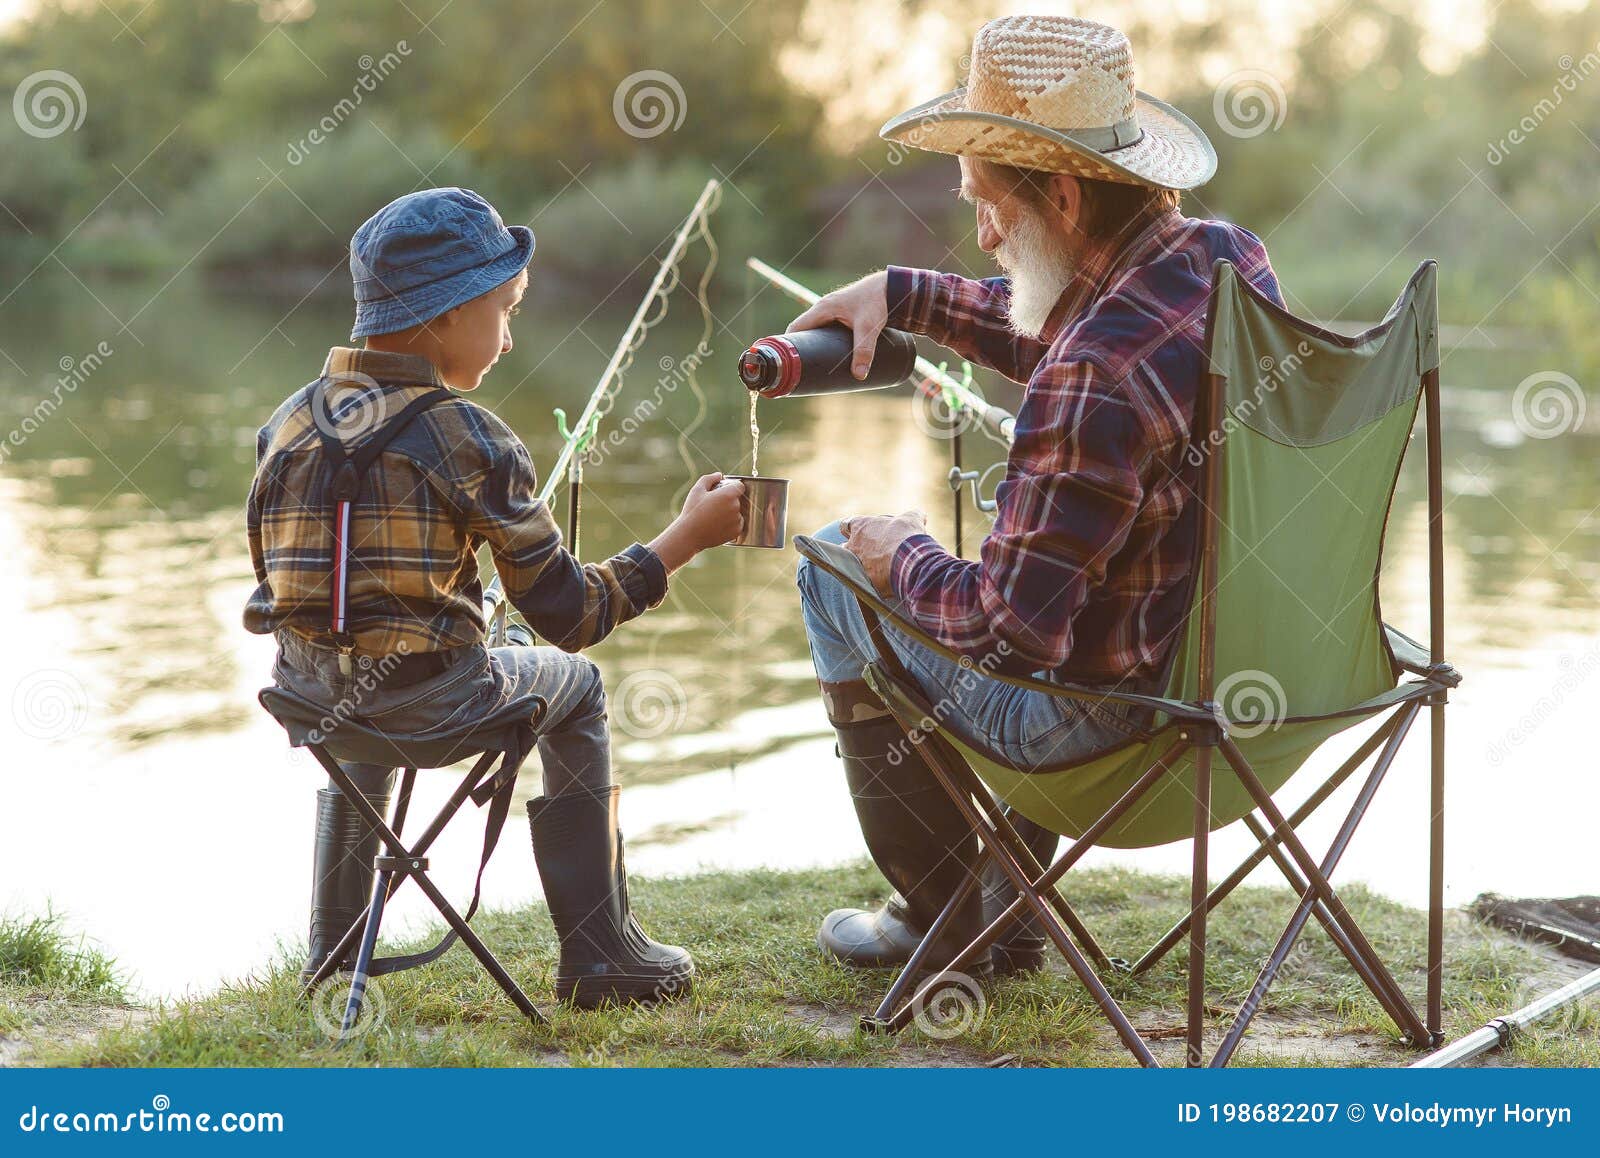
(908, 556)
(912, 296)
(647, 582)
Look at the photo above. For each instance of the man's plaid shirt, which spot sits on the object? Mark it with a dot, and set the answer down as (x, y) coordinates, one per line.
(1084, 573)
(457, 477)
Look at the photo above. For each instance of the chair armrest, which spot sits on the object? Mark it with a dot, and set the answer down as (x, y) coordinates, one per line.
(1416, 659)
(845, 567)
(842, 564)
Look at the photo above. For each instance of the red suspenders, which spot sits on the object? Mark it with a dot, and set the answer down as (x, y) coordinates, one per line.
(347, 468)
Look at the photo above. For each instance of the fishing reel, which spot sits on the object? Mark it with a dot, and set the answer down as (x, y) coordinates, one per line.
(979, 481)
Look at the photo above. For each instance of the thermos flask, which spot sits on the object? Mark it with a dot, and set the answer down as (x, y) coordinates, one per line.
(818, 362)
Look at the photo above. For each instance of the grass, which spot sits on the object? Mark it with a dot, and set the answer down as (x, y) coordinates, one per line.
(766, 997)
(51, 984)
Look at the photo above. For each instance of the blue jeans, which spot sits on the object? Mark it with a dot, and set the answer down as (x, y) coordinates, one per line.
(574, 738)
(1030, 729)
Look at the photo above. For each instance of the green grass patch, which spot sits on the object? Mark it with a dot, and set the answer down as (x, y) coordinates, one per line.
(50, 984)
(765, 996)
(35, 953)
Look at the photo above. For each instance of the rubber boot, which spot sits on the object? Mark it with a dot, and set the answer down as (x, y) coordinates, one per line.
(1021, 946)
(342, 872)
(606, 958)
(917, 837)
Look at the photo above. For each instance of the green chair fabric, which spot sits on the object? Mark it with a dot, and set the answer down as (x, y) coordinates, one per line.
(1312, 432)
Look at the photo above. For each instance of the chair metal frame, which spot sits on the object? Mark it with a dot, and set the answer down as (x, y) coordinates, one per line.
(1202, 728)
(397, 862)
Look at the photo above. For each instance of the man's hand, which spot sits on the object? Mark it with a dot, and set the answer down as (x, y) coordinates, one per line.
(863, 306)
(875, 538)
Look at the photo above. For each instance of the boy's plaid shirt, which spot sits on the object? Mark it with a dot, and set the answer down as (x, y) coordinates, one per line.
(457, 477)
(1083, 574)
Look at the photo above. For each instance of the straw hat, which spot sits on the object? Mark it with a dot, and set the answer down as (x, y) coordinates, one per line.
(1056, 93)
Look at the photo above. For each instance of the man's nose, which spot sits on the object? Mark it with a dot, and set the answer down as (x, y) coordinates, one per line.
(989, 238)
(505, 343)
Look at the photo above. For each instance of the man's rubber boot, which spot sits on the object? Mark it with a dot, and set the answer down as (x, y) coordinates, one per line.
(1022, 944)
(606, 958)
(916, 836)
(342, 872)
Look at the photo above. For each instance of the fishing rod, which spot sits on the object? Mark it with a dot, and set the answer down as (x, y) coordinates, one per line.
(936, 381)
(1499, 1031)
(576, 441)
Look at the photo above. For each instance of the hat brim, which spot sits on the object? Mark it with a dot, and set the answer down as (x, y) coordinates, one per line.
(1171, 153)
(426, 302)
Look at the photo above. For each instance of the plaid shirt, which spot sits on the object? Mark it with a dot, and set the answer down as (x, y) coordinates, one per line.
(454, 479)
(1083, 574)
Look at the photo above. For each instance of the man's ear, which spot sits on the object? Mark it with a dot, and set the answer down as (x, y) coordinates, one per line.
(1068, 197)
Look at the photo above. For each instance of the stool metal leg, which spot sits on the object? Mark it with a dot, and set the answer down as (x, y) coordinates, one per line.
(457, 798)
(369, 942)
(415, 866)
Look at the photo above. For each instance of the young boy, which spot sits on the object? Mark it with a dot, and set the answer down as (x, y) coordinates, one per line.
(400, 642)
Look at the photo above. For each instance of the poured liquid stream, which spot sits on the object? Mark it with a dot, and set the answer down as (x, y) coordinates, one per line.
(755, 436)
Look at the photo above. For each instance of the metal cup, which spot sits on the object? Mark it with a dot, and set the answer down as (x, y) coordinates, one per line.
(765, 507)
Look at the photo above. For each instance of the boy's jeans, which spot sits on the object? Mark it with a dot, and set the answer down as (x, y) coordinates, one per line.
(1030, 729)
(574, 740)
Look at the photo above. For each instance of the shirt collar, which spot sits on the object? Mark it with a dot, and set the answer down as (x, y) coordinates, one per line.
(1103, 258)
(385, 367)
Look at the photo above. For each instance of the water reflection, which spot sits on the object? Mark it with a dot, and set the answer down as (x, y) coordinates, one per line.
(148, 797)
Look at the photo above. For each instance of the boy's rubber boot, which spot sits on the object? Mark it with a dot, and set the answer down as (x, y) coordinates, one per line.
(342, 872)
(606, 958)
(1021, 946)
(916, 836)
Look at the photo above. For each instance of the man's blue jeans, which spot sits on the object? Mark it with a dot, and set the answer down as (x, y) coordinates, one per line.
(1030, 729)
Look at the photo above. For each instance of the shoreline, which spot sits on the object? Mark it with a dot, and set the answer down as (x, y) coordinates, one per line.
(766, 997)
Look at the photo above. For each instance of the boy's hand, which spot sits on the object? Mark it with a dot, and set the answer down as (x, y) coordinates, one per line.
(710, 517)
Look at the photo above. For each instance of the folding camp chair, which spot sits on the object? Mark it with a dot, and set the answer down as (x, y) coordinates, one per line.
(1300, 434)
(506, 736)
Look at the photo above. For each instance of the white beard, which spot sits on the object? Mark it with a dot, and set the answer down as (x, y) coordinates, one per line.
(1040, 268)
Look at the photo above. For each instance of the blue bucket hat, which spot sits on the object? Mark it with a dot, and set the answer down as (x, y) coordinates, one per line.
(428, 252)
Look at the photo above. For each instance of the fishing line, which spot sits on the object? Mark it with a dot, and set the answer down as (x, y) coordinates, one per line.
(702, 349)
(578, 443)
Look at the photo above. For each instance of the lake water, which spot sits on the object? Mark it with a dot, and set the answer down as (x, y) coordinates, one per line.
(148, 798)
